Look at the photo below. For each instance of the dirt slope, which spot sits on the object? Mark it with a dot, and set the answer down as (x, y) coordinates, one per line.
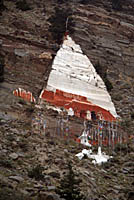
(106, 36)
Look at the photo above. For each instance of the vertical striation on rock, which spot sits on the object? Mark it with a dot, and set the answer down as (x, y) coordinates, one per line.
(74, 83)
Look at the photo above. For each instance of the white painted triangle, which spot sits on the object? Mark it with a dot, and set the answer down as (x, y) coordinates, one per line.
(72, 72)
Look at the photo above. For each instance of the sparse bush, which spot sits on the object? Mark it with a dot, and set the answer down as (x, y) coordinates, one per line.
(126, 123)
(114, 160)
(130, 194)
(2, 6)
(69, 186)
(108, 84)
(22, 101)
(10, 194)
(117, 97)
(99, 69)
(132, 115)
(23, 5)
(36, 172)
(85, 2)
(102, 72)
(116, 4)
(23, 144)
(106, 165)
(6, 162)
(10, 137)
(121, 147)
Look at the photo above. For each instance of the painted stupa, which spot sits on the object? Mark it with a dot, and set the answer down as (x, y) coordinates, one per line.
(74, 83)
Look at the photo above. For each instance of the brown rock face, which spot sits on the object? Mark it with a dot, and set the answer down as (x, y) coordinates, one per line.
(106, 36)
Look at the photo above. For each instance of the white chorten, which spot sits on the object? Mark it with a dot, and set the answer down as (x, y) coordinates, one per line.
(72, 72)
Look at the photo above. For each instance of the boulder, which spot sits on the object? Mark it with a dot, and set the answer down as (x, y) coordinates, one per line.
(16, 178)
(50, 188)
(54, 174)
(14, 156)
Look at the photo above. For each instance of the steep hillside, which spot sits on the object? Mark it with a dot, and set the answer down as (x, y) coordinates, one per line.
(106, 36)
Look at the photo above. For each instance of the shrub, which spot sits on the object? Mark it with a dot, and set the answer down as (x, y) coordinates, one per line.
(69, 186)
(23, 144)
(116, 4)
(126, 123)
(85, 2)
(36, 172)
(121, 147)
(106, 165)
(6, 162)
(99, 69)
(23, 5)
(132, 115)
(10, 194)
(118, 97)
(108, 84)
(102, 72)
(2, 6)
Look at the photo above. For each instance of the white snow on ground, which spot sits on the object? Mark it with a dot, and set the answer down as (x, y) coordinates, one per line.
(73, 72)
(98, 158)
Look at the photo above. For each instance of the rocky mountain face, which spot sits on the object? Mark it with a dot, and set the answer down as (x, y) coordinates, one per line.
(106, 36)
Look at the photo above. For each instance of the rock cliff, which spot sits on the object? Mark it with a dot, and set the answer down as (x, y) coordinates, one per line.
(30, 37)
